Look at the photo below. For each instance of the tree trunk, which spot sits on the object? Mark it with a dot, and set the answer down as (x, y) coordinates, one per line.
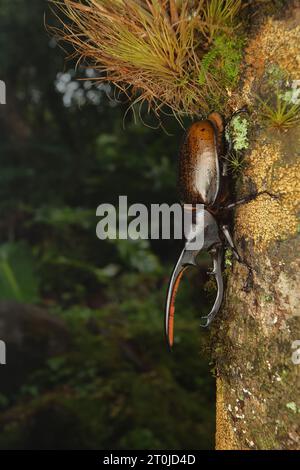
(255, 339)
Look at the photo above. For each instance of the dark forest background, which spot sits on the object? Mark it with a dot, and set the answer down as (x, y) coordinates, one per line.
(87, 364)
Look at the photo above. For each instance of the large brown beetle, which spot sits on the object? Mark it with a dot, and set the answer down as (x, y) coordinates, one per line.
(203, 179)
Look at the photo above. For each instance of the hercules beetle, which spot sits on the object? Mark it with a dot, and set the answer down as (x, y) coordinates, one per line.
(203, 179)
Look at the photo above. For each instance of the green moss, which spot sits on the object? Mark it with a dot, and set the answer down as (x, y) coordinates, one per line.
(228, 257)
(223, 61)
(227, 263)
(265, 442)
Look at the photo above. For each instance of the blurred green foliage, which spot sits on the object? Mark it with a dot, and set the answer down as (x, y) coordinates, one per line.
(17, 279)
(63, 152)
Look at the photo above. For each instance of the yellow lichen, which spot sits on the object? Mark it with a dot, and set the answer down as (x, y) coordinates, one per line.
(225, 438)
(280, 45)
(276, 43)
(261, 161)
(267, 219)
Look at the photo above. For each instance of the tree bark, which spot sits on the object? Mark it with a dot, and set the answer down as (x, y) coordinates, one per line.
(258, 399)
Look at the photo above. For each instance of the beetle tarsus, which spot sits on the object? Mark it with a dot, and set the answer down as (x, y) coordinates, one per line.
(248, 286)
(216, 253)
(226, 232)
(243, 110)
(249, 198)
(249, 282)
(207, 322)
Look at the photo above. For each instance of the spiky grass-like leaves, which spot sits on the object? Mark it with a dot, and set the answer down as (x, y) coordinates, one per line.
(153, 50)
(281, 115)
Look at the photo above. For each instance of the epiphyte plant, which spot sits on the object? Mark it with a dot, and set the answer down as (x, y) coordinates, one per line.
(281, 115)
(157, 50)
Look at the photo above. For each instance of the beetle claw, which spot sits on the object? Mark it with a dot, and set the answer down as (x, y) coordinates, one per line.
(206, 323)
(210, 273)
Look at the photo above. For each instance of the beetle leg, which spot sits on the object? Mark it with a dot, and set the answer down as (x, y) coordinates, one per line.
(236, 113)
(217, 256)
(225, 230)
(249, 281)
(247, 199)
(224, 168)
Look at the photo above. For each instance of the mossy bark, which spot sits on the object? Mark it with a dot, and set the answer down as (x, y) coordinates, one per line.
(258, 399)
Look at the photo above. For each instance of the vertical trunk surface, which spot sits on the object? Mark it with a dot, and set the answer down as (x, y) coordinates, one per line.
(258, 399)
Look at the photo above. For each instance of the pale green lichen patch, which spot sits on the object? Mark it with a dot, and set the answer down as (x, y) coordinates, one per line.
(293, 407)
(275, 75)
(236, 135)
(239, 133)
